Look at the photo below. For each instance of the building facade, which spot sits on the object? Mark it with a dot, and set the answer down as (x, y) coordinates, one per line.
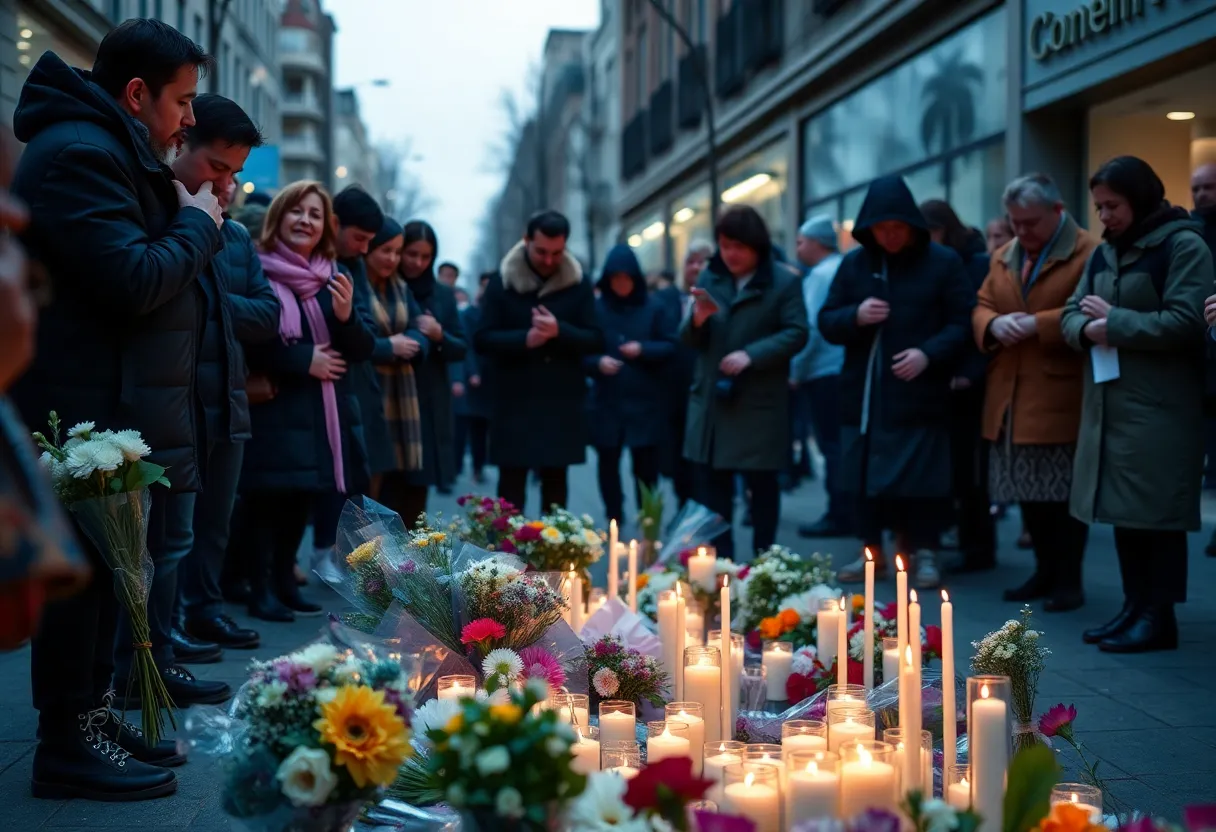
(356, 162)
(814, 100)
(602, 129)
(306, 46)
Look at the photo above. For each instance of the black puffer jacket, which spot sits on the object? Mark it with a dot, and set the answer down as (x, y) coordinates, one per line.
(118, 344)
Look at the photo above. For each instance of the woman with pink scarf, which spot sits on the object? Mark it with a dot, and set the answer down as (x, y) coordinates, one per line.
(308, 438)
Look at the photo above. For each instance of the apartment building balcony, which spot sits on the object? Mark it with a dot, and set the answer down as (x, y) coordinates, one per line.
(762, 27)
(662, 118)
(310, 62)
(633, 146)
(690, 93)
(729, 70)
(302, 106)
(301, 149)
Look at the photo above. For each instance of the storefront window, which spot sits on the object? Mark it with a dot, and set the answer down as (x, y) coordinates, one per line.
(760, 181)
(690, 222)
(648, 239)
(35, 36)
(949, 98)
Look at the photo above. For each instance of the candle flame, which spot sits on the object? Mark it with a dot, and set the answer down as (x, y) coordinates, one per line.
(869, 554)
(666, 732)
(722, 748)
(579, 731)
(812, 768)
(701, 551)
(863, 756)
(679, 591)
(899, 563)
(842, 603)
(984, 692)
(765, 758)
(726, 581)
(908, 655)
(749, 780)
(945, 597)
(1073, 797)
(912, 596)
(612, 525)
(683, 714)
(965, 783)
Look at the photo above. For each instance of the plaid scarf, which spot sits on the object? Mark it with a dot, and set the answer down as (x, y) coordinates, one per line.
(402, 415)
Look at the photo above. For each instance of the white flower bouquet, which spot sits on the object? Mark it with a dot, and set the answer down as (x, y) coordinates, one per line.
(104, 480)
(776, 576)
(559, 542)
(1016, 651)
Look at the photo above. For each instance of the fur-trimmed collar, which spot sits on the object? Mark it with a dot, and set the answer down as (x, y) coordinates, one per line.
(518, 275)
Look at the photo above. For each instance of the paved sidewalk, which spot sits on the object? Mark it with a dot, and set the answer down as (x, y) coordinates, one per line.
(1148, 717)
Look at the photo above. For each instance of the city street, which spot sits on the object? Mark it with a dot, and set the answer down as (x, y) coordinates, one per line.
(1144, 716)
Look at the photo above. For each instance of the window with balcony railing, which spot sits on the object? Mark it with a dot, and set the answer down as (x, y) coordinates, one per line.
(295, 40)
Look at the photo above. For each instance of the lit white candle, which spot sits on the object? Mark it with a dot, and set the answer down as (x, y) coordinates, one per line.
(958, 794)
(626, 772)
(868, 657)
(614, 566)
(758, 802)
(804, 742)
(890, 660)
(811, 793)
(901, 602)
(696, 735)
(848, 730)
(576, 601)
(949, 706)
(633, 575)
(1095, 812)
(668, 603)
(703, 683)
(989, 737)
(586, 754)
(695, 631)
(842, 647)
(664, 745)
(725, 650)
(681, 636)
(827, 628)
(455, 687)
(912, 752)
(703, 569)
(866, 783)
(777, 659)
(617, 726)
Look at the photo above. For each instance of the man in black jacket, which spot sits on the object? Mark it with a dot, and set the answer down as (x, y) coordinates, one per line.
(241, 308)
(124, 244)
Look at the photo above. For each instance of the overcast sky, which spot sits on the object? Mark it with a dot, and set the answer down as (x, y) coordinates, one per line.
(447, 64)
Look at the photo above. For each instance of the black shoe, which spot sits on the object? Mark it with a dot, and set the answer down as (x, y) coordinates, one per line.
(1210, 549)
(822, 528)
(1116, 626)
(1034, 589)
(190, 650)
(81, 761)
(223, 631)
(236, 593)
(264, 605)
(297, 603)
(184, 689)
(167, 753)
(1154, 629)
(1064, 600)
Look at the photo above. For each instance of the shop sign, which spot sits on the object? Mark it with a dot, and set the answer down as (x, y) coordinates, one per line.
(1053, 33)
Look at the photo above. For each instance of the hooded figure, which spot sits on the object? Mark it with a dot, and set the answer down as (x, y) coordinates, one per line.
(625, 407)
(901, 307)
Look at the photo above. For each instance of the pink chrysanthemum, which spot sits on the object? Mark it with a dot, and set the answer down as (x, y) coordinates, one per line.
(539, 663)
(481, 632)
(606, 683)
(1058, 721)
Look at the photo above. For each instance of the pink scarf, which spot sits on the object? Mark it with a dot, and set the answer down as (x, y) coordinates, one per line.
(292, 278)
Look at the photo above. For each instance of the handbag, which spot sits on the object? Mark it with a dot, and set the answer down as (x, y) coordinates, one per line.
(259, 388)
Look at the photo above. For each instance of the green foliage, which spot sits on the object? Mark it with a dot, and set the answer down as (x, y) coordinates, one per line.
(1033, 773)
(650, 512)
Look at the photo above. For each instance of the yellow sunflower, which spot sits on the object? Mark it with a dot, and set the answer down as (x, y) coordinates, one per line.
(369, 738)
(363, 552)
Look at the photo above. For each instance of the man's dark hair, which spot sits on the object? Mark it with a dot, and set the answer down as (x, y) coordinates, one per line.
(549, 223)
(220, 119)
(447, 264)
(485, 277)
(149, 49)
(356, 207)
(743, 224)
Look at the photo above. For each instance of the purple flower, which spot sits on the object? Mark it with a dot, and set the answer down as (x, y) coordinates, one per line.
(299, 679)
(875, 820)
(374, 587)
(393, 698)
(409, 567)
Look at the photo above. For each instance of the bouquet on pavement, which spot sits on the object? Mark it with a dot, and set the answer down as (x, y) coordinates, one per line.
(558, 542)
(104, 480)
(486, 521)
(1016, 651)
(312, 737)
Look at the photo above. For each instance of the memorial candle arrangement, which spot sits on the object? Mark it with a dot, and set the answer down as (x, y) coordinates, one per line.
(812, 785)
(754, 791)
(618, 721)
(989, 733)
(703, 568)
(691, 714)
(703, 683)
(586, 750)
(868, 625)
(667, 739)
(777, 661)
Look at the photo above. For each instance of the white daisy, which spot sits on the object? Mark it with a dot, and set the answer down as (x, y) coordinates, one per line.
(503, 662)
(81, 430)
(131, 444)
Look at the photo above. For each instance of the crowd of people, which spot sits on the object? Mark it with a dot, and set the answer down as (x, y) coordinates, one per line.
(313, 350)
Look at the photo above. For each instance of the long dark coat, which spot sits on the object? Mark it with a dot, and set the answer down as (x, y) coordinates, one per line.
(476, 402)
(626, 409)
(364, 380)
(895, 438)
(537, 395)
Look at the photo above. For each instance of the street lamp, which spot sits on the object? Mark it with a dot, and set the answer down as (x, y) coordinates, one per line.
(341, 172)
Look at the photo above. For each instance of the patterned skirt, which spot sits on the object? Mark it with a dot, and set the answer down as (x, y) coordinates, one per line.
(1030, 473)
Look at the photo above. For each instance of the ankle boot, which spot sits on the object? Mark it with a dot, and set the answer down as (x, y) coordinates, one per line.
(287, 587)
(167, 753)
(1155, 628)
(263, 603)
(80, 761)
(1115, 626)
(1036, 586)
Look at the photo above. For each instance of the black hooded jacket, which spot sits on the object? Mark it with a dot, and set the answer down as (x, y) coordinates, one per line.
(118, 343)
(931, 300)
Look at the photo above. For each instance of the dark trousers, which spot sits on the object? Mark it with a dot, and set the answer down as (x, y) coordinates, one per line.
(1059, 544)
(1153, 565)
(326, 511)
(72, 660)
(394, 491)
(170, 539)
(473, 435)
(823, 407)
(645, 464)
(969, 460)
(203, 568)
(717, 493)
(513, 486)
(1209, 466)
(801, 430)
(916, 523)
(268, 534)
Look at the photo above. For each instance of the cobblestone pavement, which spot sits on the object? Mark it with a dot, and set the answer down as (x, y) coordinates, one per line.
(1149, 718)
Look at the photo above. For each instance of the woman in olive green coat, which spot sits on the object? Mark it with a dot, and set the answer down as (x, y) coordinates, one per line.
(1138, 312)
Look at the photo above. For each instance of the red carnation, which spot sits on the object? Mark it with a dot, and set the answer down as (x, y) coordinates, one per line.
(666, 786)
(799, 686)
(464, 498)
(527, 534)
(891, 611)
(482, 633)
(685, 556)
(507, 546)
(753, 640)
(743, 573)
(933, 642)
(501, 524)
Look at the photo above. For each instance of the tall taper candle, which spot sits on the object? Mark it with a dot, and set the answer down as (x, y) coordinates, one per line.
(842, 647)
(901, 601)
(577, 611)
(949, 706)
(868, 658)
(681, 639)
(728, 665)
(614, 566)
(633, 575)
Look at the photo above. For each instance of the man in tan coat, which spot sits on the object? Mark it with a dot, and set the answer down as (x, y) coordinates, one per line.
(1032, 408)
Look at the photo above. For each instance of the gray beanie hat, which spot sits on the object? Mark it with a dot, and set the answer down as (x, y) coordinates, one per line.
(822, 230)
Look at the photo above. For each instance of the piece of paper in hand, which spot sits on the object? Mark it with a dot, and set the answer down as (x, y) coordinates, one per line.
(1105, 363)
(615, 619)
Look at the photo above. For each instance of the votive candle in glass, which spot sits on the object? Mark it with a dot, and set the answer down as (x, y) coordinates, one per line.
(895, 737)
(694, 621)
(829, 618)
(753, 688)
(1082, 796)
(572, 708)
(618, 721)
(804, 735)
(595, 600)
(957, 786)
(703, 568)
(845, 696)
(456, 687)
(667, 739)
(623, 758)
(849, 725)
(777, 661)
(890, 660)
(989, 732)
(691, 714)
(867, 778)
(769, 754)
(586, 749)
(715, 758)
(754, 791)
(812, 785)
(703, 683)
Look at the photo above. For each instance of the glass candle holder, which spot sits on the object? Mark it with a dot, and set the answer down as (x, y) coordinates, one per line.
(804, 735)
(868, 779)
(694, 623)
(715, 758)
(667, 739)
(895, 737)
(691, 714)
(618, 721)
(754, 791)
(990, 734)
(957, 786)
(777, 661)
(845, 696)
(764, 753)
(703, 568)
(848, 725)
(703, 683)
(753, 688)
(572, 708)
(595, 600)
(456, 687)
(586, 749)
(890, 660)
(738, 652)
(624, 758)
(812, 784)
(829, 618)
(1080, 795)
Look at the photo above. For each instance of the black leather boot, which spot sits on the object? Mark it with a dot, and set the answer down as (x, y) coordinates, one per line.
(1064, 600)
(1155, 628)
(1113, 627)
(184, 689)
(81, 761)
(291, 598)
(190, 650)
(1036, 587)
(167, 753)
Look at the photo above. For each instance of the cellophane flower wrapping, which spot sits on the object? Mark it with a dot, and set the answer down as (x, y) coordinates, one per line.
(695, 525)
(313, 736)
